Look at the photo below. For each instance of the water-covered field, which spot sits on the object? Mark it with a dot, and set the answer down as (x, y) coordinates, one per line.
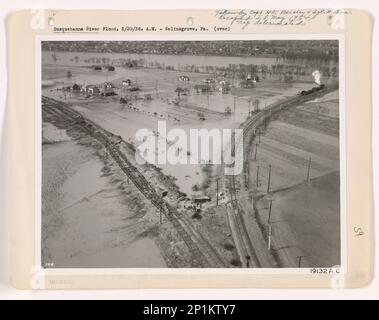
(87, 220)
(100, 225)
(160, 85)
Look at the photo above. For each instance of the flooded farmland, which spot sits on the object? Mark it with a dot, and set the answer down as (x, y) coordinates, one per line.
(102, 208)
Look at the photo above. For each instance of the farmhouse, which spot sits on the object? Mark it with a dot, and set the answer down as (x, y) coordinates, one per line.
(76, 88)
(108, 89)
(253, 78)
(127, 82)
(224, 86)
(200, 199)
(90, 90)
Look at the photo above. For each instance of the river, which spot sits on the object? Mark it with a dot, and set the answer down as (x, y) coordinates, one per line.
(175, 61)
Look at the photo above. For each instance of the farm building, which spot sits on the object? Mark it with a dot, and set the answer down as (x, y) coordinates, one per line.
(248, 83)
(76, 88)
(253, 78)
(224, 86)
(181, 91)
(203, 88)
(198, 200)
(209, 80)
(90, 90)
(108, 89)
(127, 82)
(183, 78)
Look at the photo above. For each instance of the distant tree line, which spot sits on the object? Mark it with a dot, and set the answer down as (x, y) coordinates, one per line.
(282, 67)
(325, 50)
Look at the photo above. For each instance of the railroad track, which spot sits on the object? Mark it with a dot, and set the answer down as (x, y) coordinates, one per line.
(247, 249)
(203, 255)
(249, 128)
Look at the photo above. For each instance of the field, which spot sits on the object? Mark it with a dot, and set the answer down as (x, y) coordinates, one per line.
(305, 222)
(305, 213)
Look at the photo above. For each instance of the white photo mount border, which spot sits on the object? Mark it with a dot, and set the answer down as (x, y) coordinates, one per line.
(56, 278)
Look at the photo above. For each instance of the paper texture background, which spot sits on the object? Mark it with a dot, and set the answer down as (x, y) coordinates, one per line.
(356, 28)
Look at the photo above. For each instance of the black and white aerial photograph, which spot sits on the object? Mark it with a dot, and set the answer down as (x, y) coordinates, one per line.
(190, 154)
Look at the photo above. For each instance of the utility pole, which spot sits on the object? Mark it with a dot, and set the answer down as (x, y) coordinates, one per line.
(217, 191)
(247, 261)
(309, 169)
(259, 136)
(255, 152)
(300, 258)
(248, 173)
(269, 213)
(235, 101)
(160, 216)
(257, 176)
(234, 188)
(231, 196)
(208, 99)
(269, 236)
(269, 179)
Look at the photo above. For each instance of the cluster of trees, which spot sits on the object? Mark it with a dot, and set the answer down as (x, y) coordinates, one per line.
(237, 71)
(327, 55)
(295, 49)
(241, 71)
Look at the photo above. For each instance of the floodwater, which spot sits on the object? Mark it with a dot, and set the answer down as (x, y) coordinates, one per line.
(83, 215)
(161, 84)
(176, 61)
